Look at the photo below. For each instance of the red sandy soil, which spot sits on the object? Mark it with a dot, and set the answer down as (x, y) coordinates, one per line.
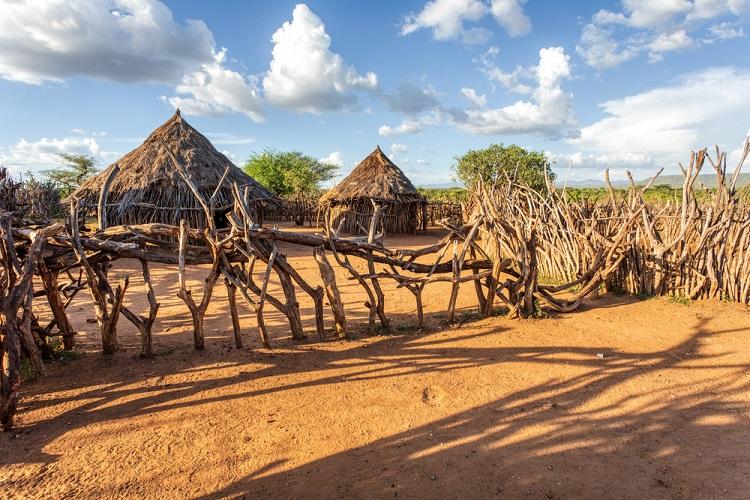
(625, 398)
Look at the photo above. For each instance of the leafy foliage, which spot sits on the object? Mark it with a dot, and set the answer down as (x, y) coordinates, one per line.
(445, 195)
(74, 171)
(497, 161)
(289, 173)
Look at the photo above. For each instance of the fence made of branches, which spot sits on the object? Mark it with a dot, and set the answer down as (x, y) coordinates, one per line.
(300, 211)
(520, 250)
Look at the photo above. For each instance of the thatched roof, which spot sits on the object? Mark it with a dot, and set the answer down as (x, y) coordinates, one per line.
(148, 179)
(377, 178)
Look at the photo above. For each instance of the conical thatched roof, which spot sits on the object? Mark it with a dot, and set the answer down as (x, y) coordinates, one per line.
(376, 177)
(148, 180)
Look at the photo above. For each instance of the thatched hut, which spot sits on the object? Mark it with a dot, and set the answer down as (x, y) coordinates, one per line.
(148, 188)
(376, 179)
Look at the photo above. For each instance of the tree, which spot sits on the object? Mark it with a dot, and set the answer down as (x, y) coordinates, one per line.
(289, 174)
(492, 164)
(75, 170)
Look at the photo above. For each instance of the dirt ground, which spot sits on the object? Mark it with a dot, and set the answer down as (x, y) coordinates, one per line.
(625, 398)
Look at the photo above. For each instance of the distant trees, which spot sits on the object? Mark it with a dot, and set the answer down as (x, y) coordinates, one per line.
(74, 171)
(497, 161)
(289, 174)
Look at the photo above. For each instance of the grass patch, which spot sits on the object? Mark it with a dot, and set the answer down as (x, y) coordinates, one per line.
(679, 299)
(58, 352)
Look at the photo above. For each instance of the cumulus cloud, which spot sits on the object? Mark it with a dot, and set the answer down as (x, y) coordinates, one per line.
(549, 112)
(408, 126)
(414, 125)
(660, 126)
(333, 159)
(656, 28)
(399, 148)
(120, 40)
(668, 42)
(511, 80)
(411, 99)
(446, 19)
(45, 153)
(510, 15)
(477, 100)
(304, 74)
(125, 41)
(215, 90)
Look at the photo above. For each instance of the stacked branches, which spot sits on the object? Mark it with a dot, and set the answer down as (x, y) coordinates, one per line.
(520, 249)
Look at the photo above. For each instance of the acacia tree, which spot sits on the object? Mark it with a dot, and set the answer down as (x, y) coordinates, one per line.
(493, 163)
(289, 174)
(74, 171)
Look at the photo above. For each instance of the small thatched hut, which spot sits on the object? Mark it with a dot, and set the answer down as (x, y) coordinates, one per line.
(148, 188)
(376, 179)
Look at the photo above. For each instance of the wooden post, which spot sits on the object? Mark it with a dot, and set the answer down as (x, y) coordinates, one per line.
(56, 305)
(332, 291)
(232, 298)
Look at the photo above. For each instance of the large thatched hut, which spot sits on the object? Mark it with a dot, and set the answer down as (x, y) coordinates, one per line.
(148, 188)
(376, 179)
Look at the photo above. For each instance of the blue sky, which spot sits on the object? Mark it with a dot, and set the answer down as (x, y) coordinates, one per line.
(630, 85)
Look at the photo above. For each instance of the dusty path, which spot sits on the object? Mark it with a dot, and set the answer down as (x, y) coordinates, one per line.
(624, 399)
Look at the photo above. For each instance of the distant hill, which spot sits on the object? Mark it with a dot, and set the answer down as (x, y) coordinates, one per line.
(442, 185)
(674, 181)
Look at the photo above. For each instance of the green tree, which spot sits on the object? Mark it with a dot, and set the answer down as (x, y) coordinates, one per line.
(492, 164)
(74, 171)
(290, 173)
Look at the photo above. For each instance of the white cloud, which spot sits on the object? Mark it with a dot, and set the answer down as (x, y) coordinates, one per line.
(399, 148)
(126, 41)
(413, 125)
(229, 139)
(333, 159)
(510, 15)
(724, 31)
(411, 99)
(509, 80)
(45, 153)
(446, 19)
(214, 90)
(549, 114)
(600, 50)
(668, 42)
(408, 126)
(304, 74)
(120, 40)
(656, 28)
(476, 99)
(663, 124)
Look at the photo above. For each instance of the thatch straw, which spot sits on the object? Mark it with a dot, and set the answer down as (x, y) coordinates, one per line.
(377, 179)
(149, 189)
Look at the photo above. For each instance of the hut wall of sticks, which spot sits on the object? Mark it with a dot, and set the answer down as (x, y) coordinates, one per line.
(375, 181)
(521, 250)
(144, 187)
